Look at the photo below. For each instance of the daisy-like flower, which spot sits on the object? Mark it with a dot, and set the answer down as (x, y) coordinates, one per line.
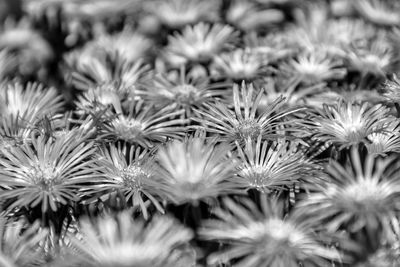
(199, 43)
(363, 194)
(19, 243)
(195, 170)
(46, 172)
(247, 15)
(29, 102)
(245, 122)
(182, 92)
(130, 171)
(179, 13)
(386, 141)
(144, 125)
(274, 166)
(375, 58)
(264, 237)
(119, 242)
(90, 70)
(378, 11)
(314, 67)
(349, 123)
(31, 50)
(239, 65)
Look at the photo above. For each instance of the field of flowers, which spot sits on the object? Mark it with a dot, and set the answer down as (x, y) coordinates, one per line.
(193, 133)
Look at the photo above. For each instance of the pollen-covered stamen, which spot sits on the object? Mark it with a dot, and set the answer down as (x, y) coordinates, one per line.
(186, 94)
(127, 128)
(248, 128)
(44, 175)
(257, 176)
(133, 175)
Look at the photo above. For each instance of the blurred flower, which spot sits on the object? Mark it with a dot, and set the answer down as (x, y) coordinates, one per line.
(179, 13)
(129, 170)
(144, 125)
(30, 49)
(19, 243)
(30, 102)
(8, 64)
(248, 16)
(375, 58)
(47, 173)
(274, 166)
(264, 237)
(182, 92)
(199, 43)
(245, 122)
(377, 11)
(391, 89)
(363, 194)
(195, 170)
(386, 141)
(240, 64)
(119, 242)
(347, 123)
(314, 67)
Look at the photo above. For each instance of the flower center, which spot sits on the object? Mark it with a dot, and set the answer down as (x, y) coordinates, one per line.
(43, 175)
(248, 128)
(132, 176)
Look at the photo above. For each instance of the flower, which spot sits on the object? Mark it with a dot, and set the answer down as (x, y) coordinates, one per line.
(363, 194)
(144, 125)
(8, 64)
(349, 123)
(377, 11)
(314, 67)
(195, 170)
(274, 166)
(199, 43)
(391, 89)
(386, 141)
(30, 102)
(129, 170)
(241, 124)
(247, 15)
(179, 13)
(120, 241)
(19, 243)
(182, 92)
(240, 64)
(264, 237)
(47, 172)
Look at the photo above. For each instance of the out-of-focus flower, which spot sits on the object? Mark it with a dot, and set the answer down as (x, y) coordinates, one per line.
(130, 171)
(90, 70)
(120, 241)
(363, 194)
(392, 89)
(245, 122)
(264, 237)
(8, 64)
(30, 49)
(182, 92)
(239, 65)
(386, 141)
(145, 125)
(195, 170)
(247, 15)
(315, 67)
(347, 123)
(19, 243)
(374, 58)
(378, 11)
(274, 166)
(47, 173)
(199, 43)
(30, 102)
(176, 14)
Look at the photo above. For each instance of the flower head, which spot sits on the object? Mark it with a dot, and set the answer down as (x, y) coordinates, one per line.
(195, 169)
(47, 172)
(199, 43)
(120, 242)
(264, 237)
(274, 166)
(179, 13)
(361, 194)
(130, 171)
(350, 123)
(386, 141)
(245, 121)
